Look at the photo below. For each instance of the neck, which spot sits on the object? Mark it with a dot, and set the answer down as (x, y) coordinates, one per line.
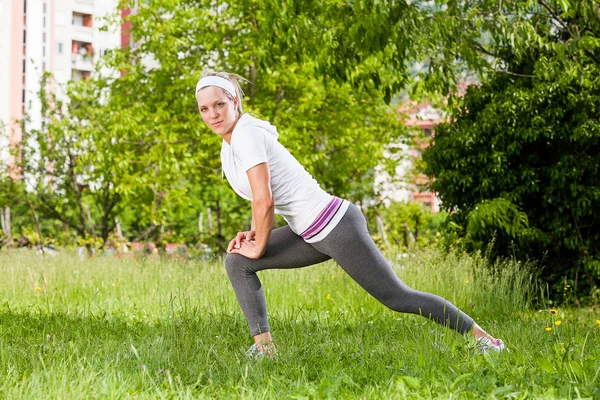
(229, 133)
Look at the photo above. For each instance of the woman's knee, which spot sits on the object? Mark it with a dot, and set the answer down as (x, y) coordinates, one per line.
(235, 264)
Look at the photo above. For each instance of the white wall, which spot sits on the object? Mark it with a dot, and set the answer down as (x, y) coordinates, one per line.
(5, 50)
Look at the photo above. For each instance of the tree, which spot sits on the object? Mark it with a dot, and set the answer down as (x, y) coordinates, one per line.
(132, 145)
(519, 160)
(69, 174)
(336, 131)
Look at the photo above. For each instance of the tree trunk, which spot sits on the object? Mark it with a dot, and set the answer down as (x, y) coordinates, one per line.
(37, 227)
(219, 231)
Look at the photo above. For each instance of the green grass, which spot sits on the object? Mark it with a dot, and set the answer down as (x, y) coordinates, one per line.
(145, 328)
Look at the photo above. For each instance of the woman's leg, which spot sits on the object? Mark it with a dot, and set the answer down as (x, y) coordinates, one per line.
(351, 245)
(284, 250)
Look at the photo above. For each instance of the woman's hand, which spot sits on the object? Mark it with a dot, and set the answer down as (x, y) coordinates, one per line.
(236, 242)
(247, 249)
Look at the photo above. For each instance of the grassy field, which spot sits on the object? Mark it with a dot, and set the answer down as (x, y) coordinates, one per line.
(147, 328)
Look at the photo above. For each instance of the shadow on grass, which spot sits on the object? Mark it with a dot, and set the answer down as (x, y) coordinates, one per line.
(191, 348)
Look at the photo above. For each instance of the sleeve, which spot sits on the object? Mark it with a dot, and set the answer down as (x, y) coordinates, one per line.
(251, 148)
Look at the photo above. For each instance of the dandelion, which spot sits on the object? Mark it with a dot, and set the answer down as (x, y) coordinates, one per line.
(332, 276)
(548, 329)
(467, 281)
(299, 284)
(38, 288)
(328, 296)
(553, 311)
(598, 322)
(317, 281)
(557, 323)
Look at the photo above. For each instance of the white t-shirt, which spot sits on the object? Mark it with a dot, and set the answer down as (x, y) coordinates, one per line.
(297, 196)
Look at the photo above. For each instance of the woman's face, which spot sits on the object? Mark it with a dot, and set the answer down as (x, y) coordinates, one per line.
(217, 110)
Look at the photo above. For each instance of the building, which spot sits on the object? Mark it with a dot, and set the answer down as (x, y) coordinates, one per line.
(63, 37)
(424, 117)
(421, 118)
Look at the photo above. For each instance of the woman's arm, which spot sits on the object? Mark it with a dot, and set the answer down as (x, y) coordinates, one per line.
(263, 216)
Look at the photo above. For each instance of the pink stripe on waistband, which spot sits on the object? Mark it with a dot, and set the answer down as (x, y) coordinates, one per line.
(323, 218)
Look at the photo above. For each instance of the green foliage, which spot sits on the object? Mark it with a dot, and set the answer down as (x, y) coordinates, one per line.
(132, 145)
(407, 225)
(520, 158)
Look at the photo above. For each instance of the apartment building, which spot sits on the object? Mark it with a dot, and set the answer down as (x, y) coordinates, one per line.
(422, 119)
(63, 37)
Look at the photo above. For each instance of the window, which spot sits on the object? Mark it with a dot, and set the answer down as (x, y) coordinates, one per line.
(25, 6)
(44, 8)
(43, 51)
(44, 66)
(44, 22)
(24, 64)
(23, 95)
(24, 36)
(60, 48)
(44, 37)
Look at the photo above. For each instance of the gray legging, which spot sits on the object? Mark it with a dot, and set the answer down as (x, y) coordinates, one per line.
(351, 246)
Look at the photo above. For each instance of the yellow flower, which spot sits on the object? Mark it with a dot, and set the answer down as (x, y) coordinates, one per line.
(598, 321)
(548, 329)
(38, 288)
(299, 284)
(553, 311)
(328, 296)
(332, 276)
(557, 323)
(467, 282)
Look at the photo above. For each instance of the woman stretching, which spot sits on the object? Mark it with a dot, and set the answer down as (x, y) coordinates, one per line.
(320, 226)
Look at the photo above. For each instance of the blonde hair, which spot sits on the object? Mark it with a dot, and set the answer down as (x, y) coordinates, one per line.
(234, 79)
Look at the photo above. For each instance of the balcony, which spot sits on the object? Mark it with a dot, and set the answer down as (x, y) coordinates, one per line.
(84, 6)
(82, 62)
(83, 33)
(78, 75)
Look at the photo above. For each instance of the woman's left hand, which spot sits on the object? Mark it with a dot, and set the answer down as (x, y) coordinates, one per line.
(247, 249)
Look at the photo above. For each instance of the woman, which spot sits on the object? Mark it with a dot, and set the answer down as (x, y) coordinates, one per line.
(320, 226)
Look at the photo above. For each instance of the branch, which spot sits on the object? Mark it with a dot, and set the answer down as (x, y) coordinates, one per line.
(556, 17)
(482, 49)
(141, 142)
(143, 235)
(514, 74)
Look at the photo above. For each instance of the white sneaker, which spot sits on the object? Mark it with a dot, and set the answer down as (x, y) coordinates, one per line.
(253, 353)
(260, 350)
(484, 345)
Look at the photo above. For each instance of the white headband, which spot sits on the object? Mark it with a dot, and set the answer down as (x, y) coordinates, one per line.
(216, 81)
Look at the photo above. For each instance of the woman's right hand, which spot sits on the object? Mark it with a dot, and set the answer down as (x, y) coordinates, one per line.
(236, 242)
